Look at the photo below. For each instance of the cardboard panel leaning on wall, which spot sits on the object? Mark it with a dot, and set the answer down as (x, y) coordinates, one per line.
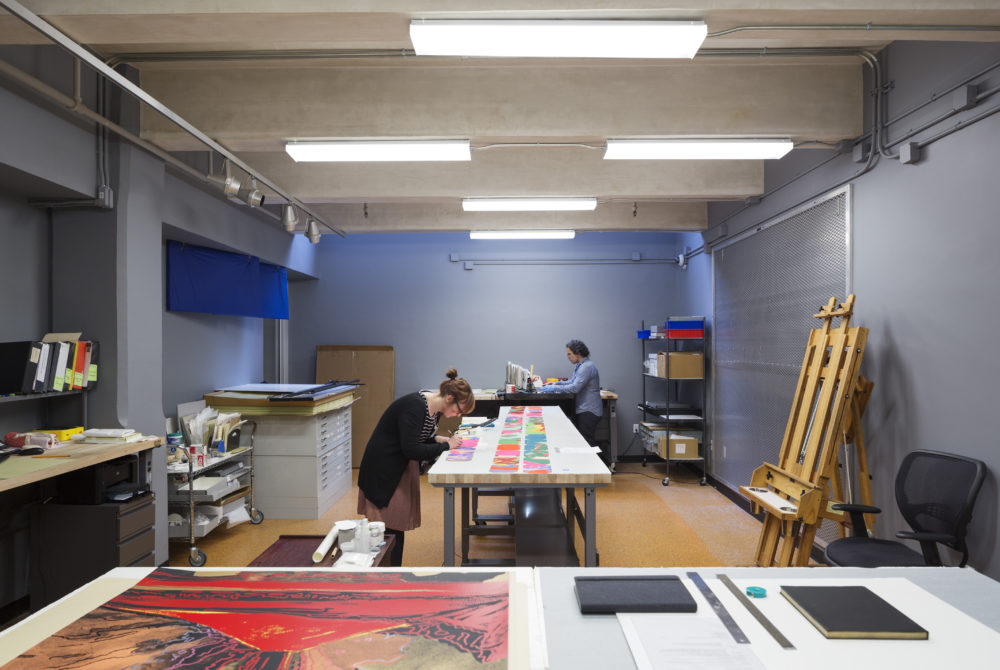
(375, 367)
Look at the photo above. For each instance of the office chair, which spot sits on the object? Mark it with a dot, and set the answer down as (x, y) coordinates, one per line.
(935, 493)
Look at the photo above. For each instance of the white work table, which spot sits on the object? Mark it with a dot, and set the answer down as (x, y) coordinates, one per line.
(546, 629)
(573, 465)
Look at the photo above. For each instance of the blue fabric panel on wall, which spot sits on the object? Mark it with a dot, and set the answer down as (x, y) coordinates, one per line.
(219, 282)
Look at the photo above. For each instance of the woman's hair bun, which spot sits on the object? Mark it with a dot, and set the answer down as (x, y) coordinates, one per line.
(451, 374)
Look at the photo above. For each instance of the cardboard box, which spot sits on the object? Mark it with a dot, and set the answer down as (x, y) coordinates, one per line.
(686, 365)
(682, 446)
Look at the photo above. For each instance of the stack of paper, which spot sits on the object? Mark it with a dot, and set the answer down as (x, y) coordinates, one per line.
(109, 436)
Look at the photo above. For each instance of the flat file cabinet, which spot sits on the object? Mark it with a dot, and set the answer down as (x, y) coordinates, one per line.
(303, 463)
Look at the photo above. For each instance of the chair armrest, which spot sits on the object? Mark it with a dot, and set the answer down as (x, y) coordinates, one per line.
(944, 538)
(851, 507)
(857, 514)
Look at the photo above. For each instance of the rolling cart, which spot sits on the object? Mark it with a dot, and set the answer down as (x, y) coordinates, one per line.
(222, 498)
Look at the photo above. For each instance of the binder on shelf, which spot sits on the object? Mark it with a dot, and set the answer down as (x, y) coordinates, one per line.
(94, 349)
(85, 374)
(26, 354)
(59, 377)
(79, 352)
(50, 373)
(41, 368)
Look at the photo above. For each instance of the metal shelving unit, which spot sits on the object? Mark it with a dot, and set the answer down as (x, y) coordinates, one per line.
(673, 416)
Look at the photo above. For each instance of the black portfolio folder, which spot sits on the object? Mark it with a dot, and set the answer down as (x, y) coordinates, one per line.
(639, 593)
(852, 612)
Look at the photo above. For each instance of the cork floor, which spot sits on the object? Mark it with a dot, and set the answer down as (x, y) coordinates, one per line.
(640, 523)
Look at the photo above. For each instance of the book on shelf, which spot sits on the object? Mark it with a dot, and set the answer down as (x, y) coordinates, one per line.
(852, 612)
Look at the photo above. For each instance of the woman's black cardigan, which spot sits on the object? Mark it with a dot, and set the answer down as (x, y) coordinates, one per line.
(394, 443)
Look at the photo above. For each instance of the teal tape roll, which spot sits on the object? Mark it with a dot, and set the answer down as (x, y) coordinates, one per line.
(756, 592)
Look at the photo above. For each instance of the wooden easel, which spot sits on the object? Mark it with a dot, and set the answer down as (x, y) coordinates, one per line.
(794, 494)
(853, 435)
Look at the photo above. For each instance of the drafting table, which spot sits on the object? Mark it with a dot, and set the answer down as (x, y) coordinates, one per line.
(579, 468)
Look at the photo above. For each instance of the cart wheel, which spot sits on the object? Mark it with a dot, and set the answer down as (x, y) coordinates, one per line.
(197, 557)
(703, 481)
(256, 516)
(666, 481)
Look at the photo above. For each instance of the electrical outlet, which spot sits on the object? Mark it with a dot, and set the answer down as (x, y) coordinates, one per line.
(635, 428)
(723, 451)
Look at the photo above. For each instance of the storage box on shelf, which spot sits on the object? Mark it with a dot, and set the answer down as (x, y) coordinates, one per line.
(671, 429)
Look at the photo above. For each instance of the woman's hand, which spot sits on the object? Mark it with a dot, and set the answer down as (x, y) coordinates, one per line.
(454, 441)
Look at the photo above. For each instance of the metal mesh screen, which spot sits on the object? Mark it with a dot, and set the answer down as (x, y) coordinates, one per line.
(768, 285)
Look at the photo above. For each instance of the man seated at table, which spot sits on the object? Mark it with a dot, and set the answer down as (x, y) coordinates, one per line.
(586, 384)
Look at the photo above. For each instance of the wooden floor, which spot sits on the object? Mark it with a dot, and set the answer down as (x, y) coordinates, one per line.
(640, 523)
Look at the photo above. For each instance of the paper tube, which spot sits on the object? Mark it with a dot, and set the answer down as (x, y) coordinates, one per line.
(324, 547)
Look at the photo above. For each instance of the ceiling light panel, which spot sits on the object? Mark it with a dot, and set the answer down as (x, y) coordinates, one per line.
(529, 204)
(379, 150)
(558, 38)
(522, 234)
(697, 149)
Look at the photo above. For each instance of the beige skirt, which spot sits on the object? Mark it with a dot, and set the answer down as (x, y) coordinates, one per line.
(403, 510)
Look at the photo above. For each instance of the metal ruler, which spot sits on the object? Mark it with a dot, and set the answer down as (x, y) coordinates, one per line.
(719, 608)
(757, 614)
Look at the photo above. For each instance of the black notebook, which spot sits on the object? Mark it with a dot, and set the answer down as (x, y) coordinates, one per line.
(852, 612)
(640, 593)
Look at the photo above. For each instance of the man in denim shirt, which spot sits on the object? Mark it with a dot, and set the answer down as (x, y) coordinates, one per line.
(586, 384)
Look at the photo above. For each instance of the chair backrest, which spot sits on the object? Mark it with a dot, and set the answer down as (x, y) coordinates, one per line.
(936, 491)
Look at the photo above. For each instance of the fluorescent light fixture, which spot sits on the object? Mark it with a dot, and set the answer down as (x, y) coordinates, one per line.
(528, 204)
(522, 234)
(697, 149)
(380, 150)
(557, 38)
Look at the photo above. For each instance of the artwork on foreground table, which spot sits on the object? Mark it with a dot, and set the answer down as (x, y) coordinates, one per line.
(183, 619)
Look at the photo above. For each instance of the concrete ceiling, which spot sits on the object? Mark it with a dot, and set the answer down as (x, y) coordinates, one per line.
(254, 74)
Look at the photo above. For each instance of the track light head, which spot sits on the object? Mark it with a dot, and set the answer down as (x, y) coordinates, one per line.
(312, 231)
(230, 185)
(290, 218)
(250, 194)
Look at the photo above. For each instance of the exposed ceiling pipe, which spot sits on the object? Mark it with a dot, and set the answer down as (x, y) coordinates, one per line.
(108, 73)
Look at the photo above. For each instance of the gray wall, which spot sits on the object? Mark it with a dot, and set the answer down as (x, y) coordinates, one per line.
(924, 272)
(403, 291)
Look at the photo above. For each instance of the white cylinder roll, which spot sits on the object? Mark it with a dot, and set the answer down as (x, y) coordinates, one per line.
(324, 547)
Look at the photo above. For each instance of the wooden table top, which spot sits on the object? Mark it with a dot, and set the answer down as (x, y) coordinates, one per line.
(573, 462)
(20, 470)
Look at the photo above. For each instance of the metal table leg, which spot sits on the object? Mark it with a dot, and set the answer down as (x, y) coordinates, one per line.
(465, 526)
(571, 514)
(449, 527)
(590, 538)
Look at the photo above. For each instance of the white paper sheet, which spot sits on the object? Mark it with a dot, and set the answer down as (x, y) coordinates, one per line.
(684, 641)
